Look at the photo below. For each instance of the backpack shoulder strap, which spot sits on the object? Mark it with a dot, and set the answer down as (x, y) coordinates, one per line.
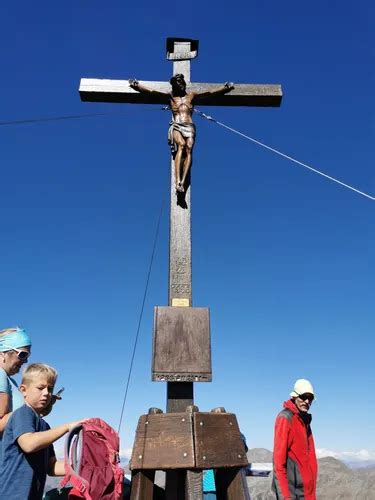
(71, 462)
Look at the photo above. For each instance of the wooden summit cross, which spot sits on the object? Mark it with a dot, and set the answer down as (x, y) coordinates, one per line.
(181, 344)
(180, 51)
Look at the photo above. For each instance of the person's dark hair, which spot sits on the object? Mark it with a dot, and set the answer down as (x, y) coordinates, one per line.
(177, 77)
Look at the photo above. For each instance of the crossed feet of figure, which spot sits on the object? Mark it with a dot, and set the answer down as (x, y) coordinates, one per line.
(180, 187)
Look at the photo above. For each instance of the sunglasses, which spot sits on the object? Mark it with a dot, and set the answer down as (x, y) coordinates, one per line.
(307, 396)
(22, 355)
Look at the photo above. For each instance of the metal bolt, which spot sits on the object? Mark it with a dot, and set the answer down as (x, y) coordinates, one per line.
(185, 454)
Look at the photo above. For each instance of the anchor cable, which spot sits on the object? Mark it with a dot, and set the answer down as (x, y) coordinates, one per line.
(141, 312)
(67, 117)
(333, 179)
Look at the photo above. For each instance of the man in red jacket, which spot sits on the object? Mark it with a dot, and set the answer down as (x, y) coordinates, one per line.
(295, 467)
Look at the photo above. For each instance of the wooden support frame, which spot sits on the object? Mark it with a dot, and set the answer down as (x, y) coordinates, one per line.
(188, 440)
(184, 444)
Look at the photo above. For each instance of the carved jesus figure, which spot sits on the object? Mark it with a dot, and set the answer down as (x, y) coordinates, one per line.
(181, 133)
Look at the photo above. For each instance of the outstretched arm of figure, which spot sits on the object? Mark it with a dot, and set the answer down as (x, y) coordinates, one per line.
(227, 87)
(134, 84)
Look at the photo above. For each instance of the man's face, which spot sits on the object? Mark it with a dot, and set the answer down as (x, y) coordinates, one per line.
(37, 392)
(180, 84)
(303, 402)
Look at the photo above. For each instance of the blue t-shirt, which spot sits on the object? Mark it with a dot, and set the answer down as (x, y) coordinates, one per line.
(9, 386)
(23, 475)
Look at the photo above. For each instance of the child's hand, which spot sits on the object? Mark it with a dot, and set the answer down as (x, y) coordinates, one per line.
(75, 424)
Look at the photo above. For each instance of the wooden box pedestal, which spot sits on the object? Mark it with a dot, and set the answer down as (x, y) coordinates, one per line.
(187, 443)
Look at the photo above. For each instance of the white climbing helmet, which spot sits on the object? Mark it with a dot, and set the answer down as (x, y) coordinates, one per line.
(302, 386)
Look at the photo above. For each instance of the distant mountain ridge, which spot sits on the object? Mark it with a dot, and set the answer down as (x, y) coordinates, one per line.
(364, 464)
(259, 455)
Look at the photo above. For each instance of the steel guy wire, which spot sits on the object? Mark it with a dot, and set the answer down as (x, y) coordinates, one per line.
(329, 177)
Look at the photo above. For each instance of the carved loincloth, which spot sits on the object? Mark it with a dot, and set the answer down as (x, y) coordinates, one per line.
(187, 130)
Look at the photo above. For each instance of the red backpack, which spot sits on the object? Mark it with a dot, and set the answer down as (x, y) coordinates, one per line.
(92, 462)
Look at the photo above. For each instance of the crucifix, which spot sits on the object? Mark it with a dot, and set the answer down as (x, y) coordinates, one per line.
(181, 344)
(181, 133)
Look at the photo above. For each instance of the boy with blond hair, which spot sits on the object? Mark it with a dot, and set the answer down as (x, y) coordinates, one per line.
(27, 454)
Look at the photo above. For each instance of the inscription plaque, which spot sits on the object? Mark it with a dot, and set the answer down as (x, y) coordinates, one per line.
(180, 303)
(181, 345)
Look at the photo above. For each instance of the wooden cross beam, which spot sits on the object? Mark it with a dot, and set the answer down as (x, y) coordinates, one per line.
(119, 91)
(180, 51)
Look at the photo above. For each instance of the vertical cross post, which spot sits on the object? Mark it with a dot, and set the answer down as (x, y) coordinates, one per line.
(180, 394)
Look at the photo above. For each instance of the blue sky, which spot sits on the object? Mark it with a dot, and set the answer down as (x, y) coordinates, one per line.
(283, 257)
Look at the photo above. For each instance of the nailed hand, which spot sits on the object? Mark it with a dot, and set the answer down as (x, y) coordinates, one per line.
(134, 83)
